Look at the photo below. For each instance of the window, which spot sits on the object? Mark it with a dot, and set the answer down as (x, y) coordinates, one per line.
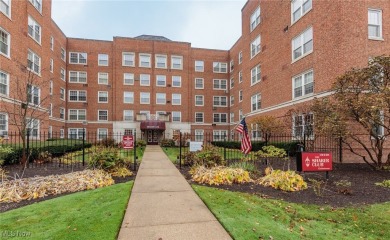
(62, 73)
(231, 65)
(232, 117)
(32, 127)
(161, 61)
(5, 40)
(199, 66)
(374, 24)
(103, 97)
(302, 45)
(62, 113)
(76, 133)
(77, 58)
(129, 131)
(103, 59)
(176, 116)
(62, 93)
(33, 62)
(240, 57)
(231, 100)
(303, 84)
(77, 96)
(50, 110)
(145, 98)
(128, 115)
(52, 43)
(299, 8)
(5, 6)
(176, 99)
(220, 84)
(177, 62)
(240, 77)
(255, 46)
(102, 134)
(219, 135)
(51, 65)
(219, 101)
(220, 117)
(103, 115)
(63, 54)
(144, 60)
(199, 100)
(33, 94)
(128, 59)
(161, 98)
(128, 97)
(4, 83)
(255, 18)
(240, 114)
(219, 67)
(161, 80)
(199, 135)
(103, 78)
(231, 83)
(303, 125)
(199, 117)
(255, 130)
(176, 81)
(128, 79)
(255, 75)
(62, 133)
(77, 77)
(37, 4)
(51, 87)
(240, 96)
(145, 113)
(199, 83)
(3, 124)
(145, 79)
(256, 102)
(77, 114)
(377, 124)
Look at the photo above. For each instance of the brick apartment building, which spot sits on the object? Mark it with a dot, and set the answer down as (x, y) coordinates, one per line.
(289, 53)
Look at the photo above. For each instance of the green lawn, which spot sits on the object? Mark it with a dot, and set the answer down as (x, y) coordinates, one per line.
(94, 214)
(172, 153)
(247, 217)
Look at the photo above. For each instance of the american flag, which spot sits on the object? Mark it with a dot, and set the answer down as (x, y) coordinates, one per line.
(246, 145)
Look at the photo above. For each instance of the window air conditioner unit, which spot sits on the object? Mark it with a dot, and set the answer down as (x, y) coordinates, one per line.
(168, 85)
(85, 85)
(168, 101)
(136, 79)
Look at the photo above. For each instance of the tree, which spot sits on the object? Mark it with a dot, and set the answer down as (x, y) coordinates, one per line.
(268, 125)
(26, 106)
(359, 111)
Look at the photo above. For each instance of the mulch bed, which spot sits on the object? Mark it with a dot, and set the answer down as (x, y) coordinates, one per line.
(45, 170)
(362, 190)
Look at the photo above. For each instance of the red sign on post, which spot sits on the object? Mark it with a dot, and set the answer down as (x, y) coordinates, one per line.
(128, 142)
(316, 161)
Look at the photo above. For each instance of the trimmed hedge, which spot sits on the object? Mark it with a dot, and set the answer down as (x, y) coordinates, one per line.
(289, 147)
(55, 151)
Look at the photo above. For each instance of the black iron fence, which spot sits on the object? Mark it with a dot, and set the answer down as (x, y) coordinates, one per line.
(54, 150)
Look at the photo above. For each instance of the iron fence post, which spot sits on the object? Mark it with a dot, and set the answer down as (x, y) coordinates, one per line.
(83, 147)
(340, 149)
(135, 151)
(28, 150)
(180, 150)
(224, 150)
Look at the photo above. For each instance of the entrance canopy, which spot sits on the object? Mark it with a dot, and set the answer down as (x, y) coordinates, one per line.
(152, 125)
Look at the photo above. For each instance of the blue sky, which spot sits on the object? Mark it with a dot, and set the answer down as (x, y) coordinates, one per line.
(214, 24)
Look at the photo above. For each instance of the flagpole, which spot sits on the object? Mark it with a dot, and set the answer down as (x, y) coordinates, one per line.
(240, 121)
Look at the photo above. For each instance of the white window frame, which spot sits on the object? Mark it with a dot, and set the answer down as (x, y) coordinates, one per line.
(51, 42)
(176, 65)
(77, 77)
(37, 4)
(232, 117)
(231, 82)
(199, 66)
(196, 83)
(240, 77)
(62, 113)
(103, 78)
(305, 84)
(32, 127)
(220, 67)
(254, 19)
(130, 61)
(161, 98)
(219, 117)
(81, 58)
(240, 114)
(33, 62)
(303, 125)
(4, 129)
(5, 7)
(231, 65)
(143, 96)
(128, 78)
(300, 41)
(240, 57)
(51, 65)
(62, 94)
(34, 95)
(175, 115)
(231, 100)
(200, 101)
(62, 133)
(199, 115)
(255, 46)
(144, 79)
(219, 83)
(62, 74)
(240, 95)
(103, 59)
(256, 102)
(142, 58)
(220, 101)
(102, 133)
(255, 75)
(63, 54)
(299, 8)
(100, 93)
(128, 115)
(161, 80)
(176, 99)
(199, 135)
(34, 29)
(379, 25)
(101, 117)
(50, 110)
(79, 115)
(4, 81)
(79, 94)
(51, 85)
(130, 97)
(7, 43)
(176, 81)
(79, 133)
(161, 64)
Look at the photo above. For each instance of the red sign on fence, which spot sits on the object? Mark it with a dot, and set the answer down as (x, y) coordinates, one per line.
(128, 142)
(316, 161)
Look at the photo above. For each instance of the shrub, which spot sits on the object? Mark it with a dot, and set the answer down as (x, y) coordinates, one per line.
(121, 172)
(247, 166)
(385, 183)
(289, 147)
(107, 142)
(318, 186)
(140, 143)
(219, 175)
(167, 143)
(3, 153)
(208, 157)
(283, 180)
(106, 159)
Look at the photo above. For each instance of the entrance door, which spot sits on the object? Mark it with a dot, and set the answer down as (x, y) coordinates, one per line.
(152, 137)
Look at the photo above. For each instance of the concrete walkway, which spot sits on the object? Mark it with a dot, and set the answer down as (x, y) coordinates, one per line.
(164, 206)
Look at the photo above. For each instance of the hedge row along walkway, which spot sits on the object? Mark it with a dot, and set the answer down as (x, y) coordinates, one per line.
(164, 206)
